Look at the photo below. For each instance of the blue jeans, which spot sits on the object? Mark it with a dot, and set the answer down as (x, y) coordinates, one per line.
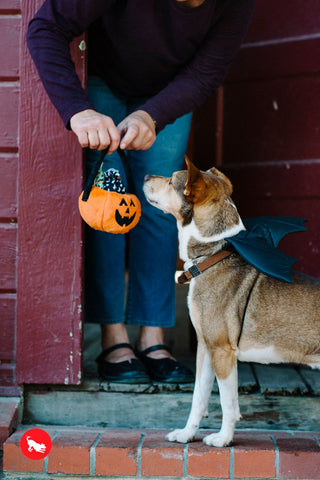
(152, 244)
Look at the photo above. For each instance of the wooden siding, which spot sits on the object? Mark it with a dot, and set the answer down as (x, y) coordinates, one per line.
(49, 271)
(10, 23)
(266, 135)
(40, 255)
(262, 129)
(9, 52)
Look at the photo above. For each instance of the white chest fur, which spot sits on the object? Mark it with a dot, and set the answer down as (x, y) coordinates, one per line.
(191, 231)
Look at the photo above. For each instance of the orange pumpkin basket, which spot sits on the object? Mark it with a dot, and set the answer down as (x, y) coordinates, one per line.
(109, 211)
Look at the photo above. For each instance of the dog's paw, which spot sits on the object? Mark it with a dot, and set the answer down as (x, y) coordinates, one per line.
(180, 435)
(217, 440)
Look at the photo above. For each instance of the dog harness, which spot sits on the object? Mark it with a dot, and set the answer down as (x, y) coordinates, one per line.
(198, 268)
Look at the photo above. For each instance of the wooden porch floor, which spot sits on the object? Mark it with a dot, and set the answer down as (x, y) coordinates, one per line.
(253, 378)
(271, 396)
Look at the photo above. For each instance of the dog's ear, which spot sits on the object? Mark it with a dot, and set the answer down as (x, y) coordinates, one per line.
(226, 182)
(195, 188)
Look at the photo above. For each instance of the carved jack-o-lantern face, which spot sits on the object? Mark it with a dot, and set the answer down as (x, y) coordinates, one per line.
(110, 211)
(126, 212)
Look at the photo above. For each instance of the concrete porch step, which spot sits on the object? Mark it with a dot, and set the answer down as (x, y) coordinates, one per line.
(88, 453)
(10, 413)
(282, 400)
(166, 410)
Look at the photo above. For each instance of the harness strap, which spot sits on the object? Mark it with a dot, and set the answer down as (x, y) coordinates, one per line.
(199, 268)
(95, 169)
(246, 307)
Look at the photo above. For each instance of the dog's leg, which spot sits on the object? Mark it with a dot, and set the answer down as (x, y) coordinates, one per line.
(200, 399)
(228, 388)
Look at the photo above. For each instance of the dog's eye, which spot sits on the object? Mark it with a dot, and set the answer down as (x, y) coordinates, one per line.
(170, 181)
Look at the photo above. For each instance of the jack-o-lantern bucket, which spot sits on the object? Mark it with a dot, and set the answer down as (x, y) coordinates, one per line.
(105, 209)
(110, 211)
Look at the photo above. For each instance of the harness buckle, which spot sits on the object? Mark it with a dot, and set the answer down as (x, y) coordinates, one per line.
(194, 270)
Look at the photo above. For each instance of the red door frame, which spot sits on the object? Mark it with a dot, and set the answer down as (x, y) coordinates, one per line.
(49, 271)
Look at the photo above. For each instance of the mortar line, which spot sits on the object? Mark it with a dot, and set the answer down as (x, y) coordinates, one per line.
(318, 443)
(185, 460)
(277, 455)
(93, 455)
(46, 459)
(231, 462)
(139, 450)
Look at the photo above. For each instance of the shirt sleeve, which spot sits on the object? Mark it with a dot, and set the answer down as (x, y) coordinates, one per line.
(207, 70)
(49, 34)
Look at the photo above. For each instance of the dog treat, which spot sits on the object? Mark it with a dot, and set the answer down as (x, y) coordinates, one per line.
(109, 180)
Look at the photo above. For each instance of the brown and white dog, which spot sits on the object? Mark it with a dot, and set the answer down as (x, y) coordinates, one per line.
(237, 312)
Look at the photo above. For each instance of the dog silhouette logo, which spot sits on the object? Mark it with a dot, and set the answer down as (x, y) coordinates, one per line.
(35, 444)
(36, 447)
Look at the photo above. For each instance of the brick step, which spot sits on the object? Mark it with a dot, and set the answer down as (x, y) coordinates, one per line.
(102, 453)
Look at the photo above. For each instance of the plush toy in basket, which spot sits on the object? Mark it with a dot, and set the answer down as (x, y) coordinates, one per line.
(104, 203)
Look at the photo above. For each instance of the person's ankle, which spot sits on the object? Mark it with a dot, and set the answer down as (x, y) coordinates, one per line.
(150, 336)
(113, 334)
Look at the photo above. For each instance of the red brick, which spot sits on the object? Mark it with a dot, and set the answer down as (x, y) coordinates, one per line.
(299, 457)
(117, 452)
(160, 457)
(254, 456)
(208, 462)
(70, 452)
(13, 458)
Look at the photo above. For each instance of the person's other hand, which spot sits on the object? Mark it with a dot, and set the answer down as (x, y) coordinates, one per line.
(138, 131)
(95, 130)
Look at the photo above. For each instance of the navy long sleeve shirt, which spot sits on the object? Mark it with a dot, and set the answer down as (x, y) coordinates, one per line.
(162, 50)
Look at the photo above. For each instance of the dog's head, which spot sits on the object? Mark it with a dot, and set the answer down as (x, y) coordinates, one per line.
(188, 190)
(198, 200)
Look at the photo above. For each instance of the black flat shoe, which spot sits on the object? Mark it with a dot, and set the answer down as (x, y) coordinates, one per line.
(129, 371)
(164, 370)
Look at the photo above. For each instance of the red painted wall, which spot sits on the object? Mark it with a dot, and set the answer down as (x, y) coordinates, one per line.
(263, 132)
(269, 122)
(49, 266)
(10, 22)
(40, 227)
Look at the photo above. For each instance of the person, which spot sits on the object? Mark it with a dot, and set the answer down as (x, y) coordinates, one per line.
(151, 63)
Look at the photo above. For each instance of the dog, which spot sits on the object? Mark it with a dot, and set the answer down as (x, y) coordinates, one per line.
(35, 446)
(238, 312)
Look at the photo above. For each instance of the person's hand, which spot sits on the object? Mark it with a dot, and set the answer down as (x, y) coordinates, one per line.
(95, 130)
(138, 131)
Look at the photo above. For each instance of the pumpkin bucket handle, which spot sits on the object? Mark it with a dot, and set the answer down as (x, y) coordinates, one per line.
(91, 177)
(95, 169)
(107, 210)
